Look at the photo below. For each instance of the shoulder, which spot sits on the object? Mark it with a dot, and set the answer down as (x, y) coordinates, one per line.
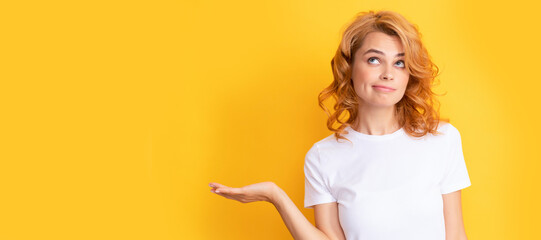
(325, 150)
(313, 152)
(331, 144)
(448, 129)
(451, 135)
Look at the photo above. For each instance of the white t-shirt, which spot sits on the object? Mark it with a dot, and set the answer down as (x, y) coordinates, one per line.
(389, 186)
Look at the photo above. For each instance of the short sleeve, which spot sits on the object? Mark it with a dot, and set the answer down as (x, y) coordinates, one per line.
(315, 191)
(455, 175)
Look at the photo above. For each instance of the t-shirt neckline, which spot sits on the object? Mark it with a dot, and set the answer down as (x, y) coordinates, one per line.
(360, 135)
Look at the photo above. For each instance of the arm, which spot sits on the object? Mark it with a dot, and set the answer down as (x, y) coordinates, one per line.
(296, 223)
(452, 212)
(328, 220)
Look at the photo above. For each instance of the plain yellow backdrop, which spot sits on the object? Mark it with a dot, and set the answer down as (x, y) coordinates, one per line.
(117, 114)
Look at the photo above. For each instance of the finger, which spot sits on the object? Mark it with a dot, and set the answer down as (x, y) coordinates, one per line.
(219, 194)
(216, 185)
(219, 190)
(225, 195)
(229, 190)
(232, 197)
(223, 190)
(235, 190)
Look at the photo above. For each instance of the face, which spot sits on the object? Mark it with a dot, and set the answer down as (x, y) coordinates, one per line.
(378, 72)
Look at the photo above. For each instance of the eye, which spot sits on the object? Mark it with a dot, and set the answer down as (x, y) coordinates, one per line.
(373, 58)
(401, 64)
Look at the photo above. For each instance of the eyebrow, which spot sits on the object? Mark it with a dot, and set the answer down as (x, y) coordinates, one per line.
(380, 52)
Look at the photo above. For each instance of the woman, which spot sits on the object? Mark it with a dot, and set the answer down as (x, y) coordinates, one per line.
(392, 169)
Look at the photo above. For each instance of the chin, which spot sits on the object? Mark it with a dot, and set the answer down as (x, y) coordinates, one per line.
(382, 105)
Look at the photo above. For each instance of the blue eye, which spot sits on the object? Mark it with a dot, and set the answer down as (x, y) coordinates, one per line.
(402, 63)
(372, 58)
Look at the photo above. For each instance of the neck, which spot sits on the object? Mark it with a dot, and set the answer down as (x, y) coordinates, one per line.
(376, 120)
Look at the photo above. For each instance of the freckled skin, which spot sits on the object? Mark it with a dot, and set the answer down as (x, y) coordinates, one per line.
(376, 69)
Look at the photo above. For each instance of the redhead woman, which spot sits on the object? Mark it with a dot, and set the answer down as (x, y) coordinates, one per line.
(392, 169)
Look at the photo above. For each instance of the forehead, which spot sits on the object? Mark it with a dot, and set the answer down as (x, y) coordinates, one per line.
(388, 44)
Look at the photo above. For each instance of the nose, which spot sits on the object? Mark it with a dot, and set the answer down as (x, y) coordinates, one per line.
(387, 75)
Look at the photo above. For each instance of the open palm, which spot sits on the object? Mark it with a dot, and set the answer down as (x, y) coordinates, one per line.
(251, 193)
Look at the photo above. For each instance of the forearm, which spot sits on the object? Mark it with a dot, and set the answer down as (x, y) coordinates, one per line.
(296, 223)
(456, 237)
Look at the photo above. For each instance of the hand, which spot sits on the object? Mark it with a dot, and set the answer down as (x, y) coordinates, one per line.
(251, 193)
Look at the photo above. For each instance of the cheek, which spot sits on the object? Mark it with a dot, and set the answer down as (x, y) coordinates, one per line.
(405, 80)
(363, 75)
(401, 78)
(404, 84)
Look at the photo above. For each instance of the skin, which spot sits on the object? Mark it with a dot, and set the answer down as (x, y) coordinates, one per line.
(377, 108)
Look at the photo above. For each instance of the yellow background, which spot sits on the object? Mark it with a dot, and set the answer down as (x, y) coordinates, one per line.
(117, 114)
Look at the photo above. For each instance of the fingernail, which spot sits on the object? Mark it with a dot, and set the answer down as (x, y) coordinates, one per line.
(217, 191)
(211, 185)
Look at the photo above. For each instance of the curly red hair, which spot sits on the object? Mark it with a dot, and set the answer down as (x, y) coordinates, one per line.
(418, 110)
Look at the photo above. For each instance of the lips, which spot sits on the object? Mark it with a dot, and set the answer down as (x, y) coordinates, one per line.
(383, 87)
